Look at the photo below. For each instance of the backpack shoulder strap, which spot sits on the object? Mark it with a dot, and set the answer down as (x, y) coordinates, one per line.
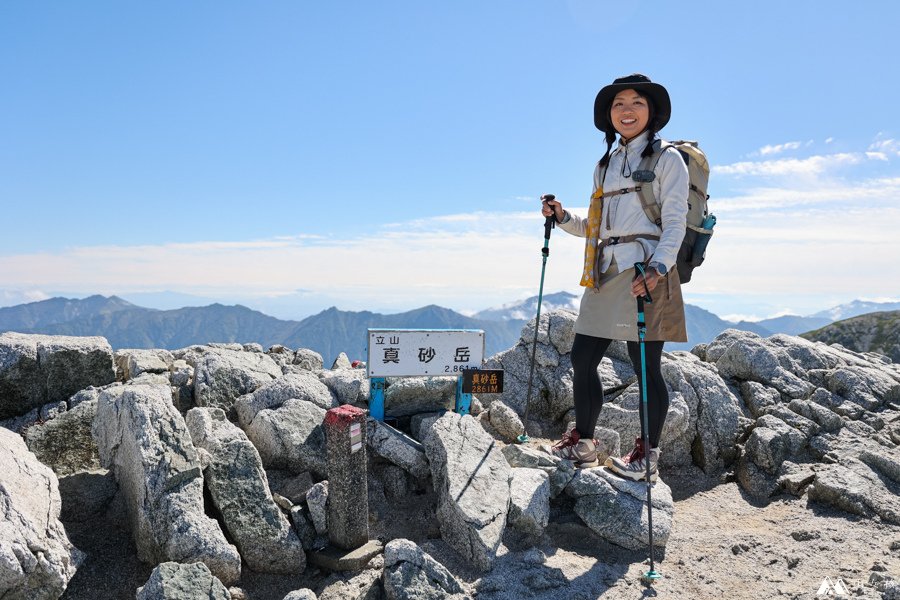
(645, 192)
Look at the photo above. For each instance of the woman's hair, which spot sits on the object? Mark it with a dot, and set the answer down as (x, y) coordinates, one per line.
(652, 128)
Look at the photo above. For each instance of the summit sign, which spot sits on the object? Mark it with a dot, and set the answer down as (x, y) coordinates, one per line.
(424, 352)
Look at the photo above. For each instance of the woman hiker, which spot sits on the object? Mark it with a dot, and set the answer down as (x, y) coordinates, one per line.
(619, 234)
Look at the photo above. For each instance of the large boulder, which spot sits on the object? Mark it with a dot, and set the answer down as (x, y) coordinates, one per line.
(298, 386)
(317, 502)
(396, 447)
(181, 376)
(759, 398)
(221, 376)
(868, 386)
(174, 581)
(36, 558)
(39, 369)
(529, 507)
(410, 395)
(754, 360)
(858, 488)
(308, 359)
(34, 416)
(290, 436)
(350, 585)
(412, 574)
(349, 386)
(811, 404)
(131, 363)
(771, 442)
(301, 594)
(143, 440)
(711, 425)
(65, 442)
(559, 471)
(616, 508)
(505, 421)
(471, 477)
(240, 491)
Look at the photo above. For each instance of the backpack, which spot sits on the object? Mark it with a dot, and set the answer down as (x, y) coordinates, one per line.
(700, 222)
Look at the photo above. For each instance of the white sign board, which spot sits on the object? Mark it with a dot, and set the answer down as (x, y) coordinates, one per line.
(418, 352)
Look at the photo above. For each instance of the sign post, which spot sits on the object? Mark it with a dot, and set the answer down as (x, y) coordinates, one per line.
(421, 353)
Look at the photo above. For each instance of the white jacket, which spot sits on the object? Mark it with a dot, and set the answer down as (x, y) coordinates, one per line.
(623, 215)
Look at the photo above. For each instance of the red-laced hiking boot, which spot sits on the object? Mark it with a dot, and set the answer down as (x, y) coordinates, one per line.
(636, 454)
(633, 466)
(571, 447)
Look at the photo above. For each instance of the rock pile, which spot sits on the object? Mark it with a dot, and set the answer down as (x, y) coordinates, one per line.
(36, 558)
(217, 455)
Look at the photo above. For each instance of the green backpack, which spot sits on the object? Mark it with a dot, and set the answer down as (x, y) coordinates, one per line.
(700, 222)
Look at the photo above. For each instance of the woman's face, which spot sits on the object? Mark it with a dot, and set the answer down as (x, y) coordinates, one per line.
(629, 113)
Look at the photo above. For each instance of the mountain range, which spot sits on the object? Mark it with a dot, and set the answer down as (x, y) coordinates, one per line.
(872, 332)
(332, 331)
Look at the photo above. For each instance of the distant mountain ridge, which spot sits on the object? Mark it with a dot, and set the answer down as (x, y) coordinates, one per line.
(332, 331)
(337, 331)
(702, 325)
(854, 309)
(524, 310)
(874, 332)
(59, 310)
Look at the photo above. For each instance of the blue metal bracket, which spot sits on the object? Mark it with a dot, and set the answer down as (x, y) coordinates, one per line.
(376, 398)
(463, 400)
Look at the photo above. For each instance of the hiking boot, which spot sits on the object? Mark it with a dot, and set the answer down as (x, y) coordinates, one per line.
(571, 447)
(633, 466)
(636, 453)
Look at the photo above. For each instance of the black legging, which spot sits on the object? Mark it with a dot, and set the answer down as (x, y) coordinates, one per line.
(587, 352)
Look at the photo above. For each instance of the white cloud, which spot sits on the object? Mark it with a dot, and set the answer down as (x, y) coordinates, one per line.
(797, 236)
(870, 193)
(880, 299)
(779, 148)
(885, 146)
(754, 318)
(13, 297)
(786, 167)
(445, 260)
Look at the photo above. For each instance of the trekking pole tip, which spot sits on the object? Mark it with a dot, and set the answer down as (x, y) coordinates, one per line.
(650, 577)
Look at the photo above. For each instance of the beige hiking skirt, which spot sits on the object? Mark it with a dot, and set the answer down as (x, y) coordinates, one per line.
(611, 311)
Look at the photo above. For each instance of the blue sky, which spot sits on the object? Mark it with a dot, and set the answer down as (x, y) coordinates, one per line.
(291, 156)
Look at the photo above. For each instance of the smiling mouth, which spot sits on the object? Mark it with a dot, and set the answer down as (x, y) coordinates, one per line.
(628, 121)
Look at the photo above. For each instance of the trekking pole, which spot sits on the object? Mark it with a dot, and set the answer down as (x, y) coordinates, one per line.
(650, 576)
(549, 224)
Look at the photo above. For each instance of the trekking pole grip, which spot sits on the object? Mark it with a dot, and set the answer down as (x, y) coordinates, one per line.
(549, 222)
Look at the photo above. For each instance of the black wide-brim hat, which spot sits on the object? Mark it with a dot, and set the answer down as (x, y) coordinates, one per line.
(639, 83)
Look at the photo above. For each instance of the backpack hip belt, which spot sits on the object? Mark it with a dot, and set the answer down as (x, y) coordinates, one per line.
(624, 239)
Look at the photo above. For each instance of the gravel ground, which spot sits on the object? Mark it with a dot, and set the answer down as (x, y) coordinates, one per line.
(723, 545)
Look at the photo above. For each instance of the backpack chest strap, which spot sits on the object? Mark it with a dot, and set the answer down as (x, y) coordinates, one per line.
(645, 193)
(624, 239)
(627, 190)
